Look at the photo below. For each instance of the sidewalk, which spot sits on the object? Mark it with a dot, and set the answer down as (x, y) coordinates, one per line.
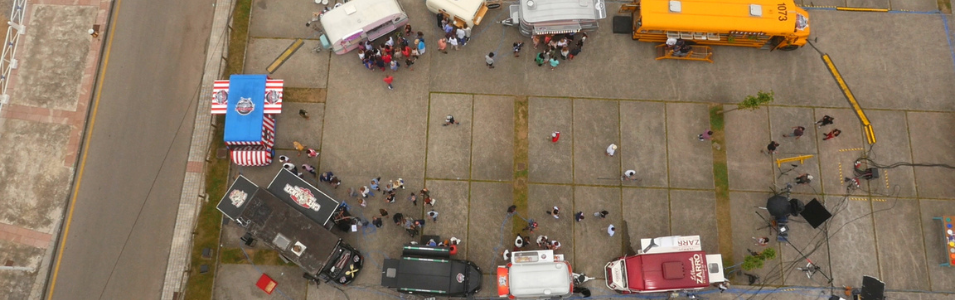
(50, 93)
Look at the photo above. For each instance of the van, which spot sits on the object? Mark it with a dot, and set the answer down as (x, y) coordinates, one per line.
(361, 20)
(297, 237)
(429, 270)
(464, 12)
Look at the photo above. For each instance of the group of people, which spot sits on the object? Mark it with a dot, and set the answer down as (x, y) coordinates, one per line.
(388, 54)
(561, 46)
(452, 36)
(680, 47)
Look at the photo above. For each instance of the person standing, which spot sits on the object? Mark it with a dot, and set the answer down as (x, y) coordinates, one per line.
(573, 53)
(421, 46)
(553, 63)
(539, 59)
(832, 134)
(554, 212)
(309, 168)
(303, 113)
(630, 175)
(376, 221)
(389, 80)
(601, 214)
(284, 159)
(454, 43)
(579, 216)
(443, 45)
(517, 48)
(611, 230)
(394, 66)
(375, 182)
(413, 198)
(489, 59)
(434, 215)
(611, 149)
(554, 136)
(460, 35)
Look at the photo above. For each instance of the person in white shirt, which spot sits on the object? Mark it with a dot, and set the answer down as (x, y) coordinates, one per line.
(611, 149)
(611, 230)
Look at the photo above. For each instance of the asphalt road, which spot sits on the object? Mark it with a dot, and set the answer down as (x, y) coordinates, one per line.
(118, 242)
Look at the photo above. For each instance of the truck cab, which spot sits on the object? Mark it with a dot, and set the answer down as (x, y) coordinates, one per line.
(535, 274)
(430, 270)
(665, 264)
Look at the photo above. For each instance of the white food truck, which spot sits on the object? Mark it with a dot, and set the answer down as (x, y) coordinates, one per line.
(663, 264)
(535, 274)
(361, 20)
(537, 17)
(463, 12)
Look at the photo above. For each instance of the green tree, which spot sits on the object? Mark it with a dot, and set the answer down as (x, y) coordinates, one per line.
(753, 102)
(752, 262)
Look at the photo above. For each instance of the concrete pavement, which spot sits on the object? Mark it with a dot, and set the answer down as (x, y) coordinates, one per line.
(615, 92)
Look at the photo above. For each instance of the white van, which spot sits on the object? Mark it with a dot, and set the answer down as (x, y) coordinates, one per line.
(534, 275)
(463, 12)
(361, 20)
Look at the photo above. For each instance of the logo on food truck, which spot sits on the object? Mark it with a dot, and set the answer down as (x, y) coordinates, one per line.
(302, 196)
(697, 272)
(238, 197)
(244, 106)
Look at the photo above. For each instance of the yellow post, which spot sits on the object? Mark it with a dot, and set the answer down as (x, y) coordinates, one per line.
(801, 158)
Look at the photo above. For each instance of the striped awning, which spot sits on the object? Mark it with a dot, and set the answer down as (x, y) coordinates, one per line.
(559, 29)
(252, 156)
(273, 96)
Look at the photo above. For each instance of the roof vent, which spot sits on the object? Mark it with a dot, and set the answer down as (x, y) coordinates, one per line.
(530, 3)
(755, 10)
(676, 6)
(281, 241)
(350, 10)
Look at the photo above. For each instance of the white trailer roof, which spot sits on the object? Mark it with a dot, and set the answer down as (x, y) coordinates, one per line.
(355, 15)
(555, 10)
(538, 279)
(463, 8)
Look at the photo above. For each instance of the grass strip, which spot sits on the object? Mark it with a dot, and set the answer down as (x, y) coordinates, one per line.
(238, 38)
(724, 226)
(206, 234)
(308, 95)
(520, 162)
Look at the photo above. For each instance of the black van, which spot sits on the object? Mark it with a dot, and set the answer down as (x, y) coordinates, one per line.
(429, 270)
(296, 236)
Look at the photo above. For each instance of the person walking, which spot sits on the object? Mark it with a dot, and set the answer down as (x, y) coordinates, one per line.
(398, 184)
(365, 192)
(554, 212)
(284, 159)
(579, 216)
(771, 148)
(611, 149)
(601, 214)
(511, 209)
(706, 136)
(553, 63)
(798, 131)
(434, 215)
(413, 198)
(573, 53)
(611, 230)
(489, 59)
(289, 166)
(303, 113)
(517, 48)
(450, 120)
(298, 147)
(376, 221)
(826, 120)
(629, 175)
(443, 45)
(539, 59)
(554, 136)
(375, 182)
(312, 153)
(762, 241)
(309, 168)
(389, 80)
(832, 134)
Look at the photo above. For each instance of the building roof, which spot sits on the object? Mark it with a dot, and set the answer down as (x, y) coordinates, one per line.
(557, 10)
(720, 16)
(666, 271)
(354, 15)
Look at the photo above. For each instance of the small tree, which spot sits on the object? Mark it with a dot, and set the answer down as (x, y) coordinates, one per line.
(752, 262)
(753, 102)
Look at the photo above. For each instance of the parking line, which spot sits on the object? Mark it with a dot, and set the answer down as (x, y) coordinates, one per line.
(86, 146)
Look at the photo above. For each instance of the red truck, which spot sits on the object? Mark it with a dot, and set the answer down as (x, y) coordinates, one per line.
(672, 263)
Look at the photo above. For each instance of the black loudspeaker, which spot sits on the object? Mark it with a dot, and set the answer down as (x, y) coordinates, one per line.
(623, 24)
(872, 289)
(815, 213)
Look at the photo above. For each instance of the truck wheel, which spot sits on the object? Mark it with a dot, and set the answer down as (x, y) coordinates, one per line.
(789, 48)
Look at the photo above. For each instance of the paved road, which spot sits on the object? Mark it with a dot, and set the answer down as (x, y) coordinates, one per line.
(118, 240)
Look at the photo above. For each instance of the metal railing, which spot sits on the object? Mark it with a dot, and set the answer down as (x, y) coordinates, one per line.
(8, 58)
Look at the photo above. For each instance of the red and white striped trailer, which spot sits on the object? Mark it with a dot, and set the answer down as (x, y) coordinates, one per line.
(250, 103)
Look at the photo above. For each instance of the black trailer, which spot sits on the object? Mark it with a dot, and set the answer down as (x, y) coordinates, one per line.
(436, 275)
(296, 236)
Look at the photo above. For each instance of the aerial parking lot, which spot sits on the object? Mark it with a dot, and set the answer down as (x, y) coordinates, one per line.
(899, 65)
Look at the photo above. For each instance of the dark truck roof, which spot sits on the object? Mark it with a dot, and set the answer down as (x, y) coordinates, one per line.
(275, 222)
(304, 197)
(450, 277)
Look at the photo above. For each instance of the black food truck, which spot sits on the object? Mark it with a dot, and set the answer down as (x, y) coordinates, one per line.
(430, 270)
(302, 238)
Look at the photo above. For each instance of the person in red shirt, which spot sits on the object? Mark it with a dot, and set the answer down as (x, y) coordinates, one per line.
(554, 136)
(386, 58)
(388, 79)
